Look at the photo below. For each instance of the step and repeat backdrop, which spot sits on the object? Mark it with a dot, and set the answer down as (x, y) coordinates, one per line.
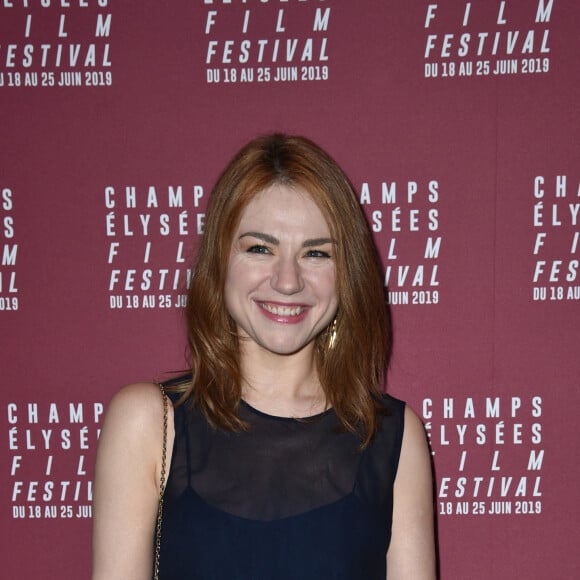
(458, 124)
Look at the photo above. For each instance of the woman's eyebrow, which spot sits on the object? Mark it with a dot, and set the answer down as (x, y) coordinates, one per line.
(275, 241)
(261, 236)
(317, 242)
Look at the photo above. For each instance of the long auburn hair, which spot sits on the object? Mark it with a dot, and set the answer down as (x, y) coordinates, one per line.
(351, 372)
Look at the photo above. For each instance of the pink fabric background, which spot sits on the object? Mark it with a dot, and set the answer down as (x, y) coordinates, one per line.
(477, 335)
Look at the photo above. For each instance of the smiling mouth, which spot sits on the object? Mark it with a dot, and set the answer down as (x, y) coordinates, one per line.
(279, 310)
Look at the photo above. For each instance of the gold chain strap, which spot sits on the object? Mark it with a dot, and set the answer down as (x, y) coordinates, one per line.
(161, 489)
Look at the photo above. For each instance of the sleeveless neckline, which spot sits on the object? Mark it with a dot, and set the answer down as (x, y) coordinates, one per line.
(286, 498)
(308, 418)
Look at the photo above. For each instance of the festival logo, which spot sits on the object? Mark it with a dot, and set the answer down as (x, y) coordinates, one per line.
(9, 248)
(408, 212)
(149, 233)
(488, 39)
(50, 452)
(257, 42)
(556, 246)
(489, 454)
(55, 44)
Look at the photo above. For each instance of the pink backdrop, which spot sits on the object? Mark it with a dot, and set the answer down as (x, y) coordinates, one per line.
(458, 123)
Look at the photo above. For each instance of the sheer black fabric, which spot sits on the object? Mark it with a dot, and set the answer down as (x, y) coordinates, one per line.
(287, 499)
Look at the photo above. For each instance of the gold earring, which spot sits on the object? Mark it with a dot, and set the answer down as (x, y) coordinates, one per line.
(332, 334)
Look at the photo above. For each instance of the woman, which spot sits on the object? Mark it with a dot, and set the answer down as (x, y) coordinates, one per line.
(284, 459)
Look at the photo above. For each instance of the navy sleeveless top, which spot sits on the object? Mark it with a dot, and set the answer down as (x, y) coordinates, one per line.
(288, 499)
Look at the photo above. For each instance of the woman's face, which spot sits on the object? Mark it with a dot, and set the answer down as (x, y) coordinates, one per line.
(281, 278)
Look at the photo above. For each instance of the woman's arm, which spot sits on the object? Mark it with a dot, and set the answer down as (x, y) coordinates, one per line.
(126, 487)
(411, 554)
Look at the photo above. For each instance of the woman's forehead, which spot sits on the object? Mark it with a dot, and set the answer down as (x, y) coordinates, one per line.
(284, 203)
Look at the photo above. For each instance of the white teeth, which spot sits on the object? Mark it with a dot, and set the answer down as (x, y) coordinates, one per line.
(283, 310)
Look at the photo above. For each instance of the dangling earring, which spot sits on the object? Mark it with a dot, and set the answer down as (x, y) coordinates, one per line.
(332, 335)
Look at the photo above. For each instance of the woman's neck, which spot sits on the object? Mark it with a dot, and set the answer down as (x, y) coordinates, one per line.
(283, 385)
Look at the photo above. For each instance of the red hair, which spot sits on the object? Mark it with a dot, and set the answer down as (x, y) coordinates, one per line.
(350, 372)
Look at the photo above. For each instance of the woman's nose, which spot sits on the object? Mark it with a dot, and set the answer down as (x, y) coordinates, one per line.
(286, 277)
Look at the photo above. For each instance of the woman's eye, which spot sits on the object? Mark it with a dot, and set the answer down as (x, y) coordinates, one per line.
(317, 254)
(258, 249)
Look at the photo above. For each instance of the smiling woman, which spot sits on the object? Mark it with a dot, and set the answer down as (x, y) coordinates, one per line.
(280, 283)
(349, 374)
(287, 461)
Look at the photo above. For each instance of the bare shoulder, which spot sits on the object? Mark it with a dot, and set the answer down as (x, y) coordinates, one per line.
(411, 554)
(137, 400)
(134, 417)
(414, 435)
(126, 483)
(136, 404)
(415, 462)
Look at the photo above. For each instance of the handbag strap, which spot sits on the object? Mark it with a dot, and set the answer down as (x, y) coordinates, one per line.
(161, 488)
